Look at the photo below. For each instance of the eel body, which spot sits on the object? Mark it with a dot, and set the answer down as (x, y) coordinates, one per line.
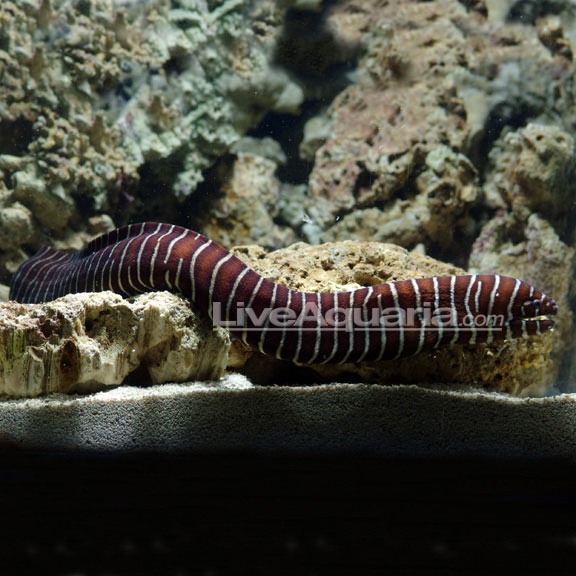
(381, 322)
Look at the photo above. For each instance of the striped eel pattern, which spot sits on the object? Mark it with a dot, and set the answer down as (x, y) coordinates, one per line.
(150, 257)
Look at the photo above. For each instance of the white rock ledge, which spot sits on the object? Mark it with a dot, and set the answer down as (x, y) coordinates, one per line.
(88, 342)
(234, 415)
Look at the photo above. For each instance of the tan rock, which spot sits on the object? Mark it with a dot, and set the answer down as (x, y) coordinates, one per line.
(532, 170)
(520, 367)
(86, 342)
(244, 213)
(534, 252)
(432, 78)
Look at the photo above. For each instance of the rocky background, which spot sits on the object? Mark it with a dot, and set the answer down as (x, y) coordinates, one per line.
(443, 127)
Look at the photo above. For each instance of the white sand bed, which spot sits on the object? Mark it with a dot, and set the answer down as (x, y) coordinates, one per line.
(234, 415)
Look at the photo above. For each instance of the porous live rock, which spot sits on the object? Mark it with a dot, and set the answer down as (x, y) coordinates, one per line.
(534, 252)
(433, 76)
(248, 204)
(530, 183)
(447, 189)
(86, 342)
(520, 367)
(76, 240)
(16, 227)
(533, 170)
(120, 107)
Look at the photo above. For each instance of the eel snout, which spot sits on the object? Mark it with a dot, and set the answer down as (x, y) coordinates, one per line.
(534, 317)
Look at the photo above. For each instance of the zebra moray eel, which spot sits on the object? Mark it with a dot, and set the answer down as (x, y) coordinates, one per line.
(147, 257)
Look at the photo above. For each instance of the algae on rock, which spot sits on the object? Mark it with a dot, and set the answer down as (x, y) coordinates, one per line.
(95, 95)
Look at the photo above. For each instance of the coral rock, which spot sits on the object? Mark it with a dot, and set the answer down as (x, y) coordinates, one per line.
(245, 212)
(86, 342)
(433, 76)
(519, 367)
(534, 252)
(98, 96)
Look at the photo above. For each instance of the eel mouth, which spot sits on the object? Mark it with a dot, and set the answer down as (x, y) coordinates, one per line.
(534, 319)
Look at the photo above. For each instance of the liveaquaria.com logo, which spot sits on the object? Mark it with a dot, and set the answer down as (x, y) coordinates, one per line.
(313, 317)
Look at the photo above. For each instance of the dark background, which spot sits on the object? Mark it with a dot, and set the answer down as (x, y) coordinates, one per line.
(211, 514)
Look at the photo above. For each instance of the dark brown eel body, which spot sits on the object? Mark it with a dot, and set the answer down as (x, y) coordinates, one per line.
(385, 321)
